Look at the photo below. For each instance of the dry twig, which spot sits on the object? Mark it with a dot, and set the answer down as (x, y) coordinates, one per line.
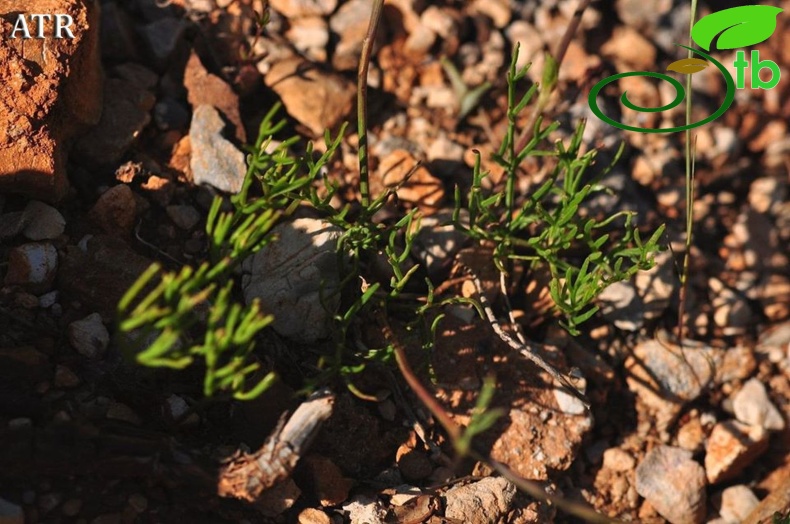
(529, 350)
(247, 476)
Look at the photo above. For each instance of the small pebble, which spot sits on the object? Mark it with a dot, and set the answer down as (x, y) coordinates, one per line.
(65, 378)
(752, 406)
(673, 483)
(89, 336)
(617, 459)
(737, 502)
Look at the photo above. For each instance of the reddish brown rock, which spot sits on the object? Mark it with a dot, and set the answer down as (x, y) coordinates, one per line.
(415, 183)
(50, 91)
(206, 88)
(125, 114)
(116, 210)
(99, 277)
(731, 447)
(330, 486)
(317, 99)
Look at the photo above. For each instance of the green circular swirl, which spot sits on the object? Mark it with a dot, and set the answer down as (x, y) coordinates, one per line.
(680, 94)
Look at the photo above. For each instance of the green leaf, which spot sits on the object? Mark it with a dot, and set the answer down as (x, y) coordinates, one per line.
(736, 27)
(584, 317)
(551, 72)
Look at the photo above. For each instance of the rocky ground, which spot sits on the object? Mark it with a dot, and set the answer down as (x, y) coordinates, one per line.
(106, 173)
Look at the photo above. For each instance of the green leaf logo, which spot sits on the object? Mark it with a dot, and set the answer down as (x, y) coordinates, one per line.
(738, 27)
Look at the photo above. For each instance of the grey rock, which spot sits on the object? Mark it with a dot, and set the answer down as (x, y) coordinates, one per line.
(170, 113)
(732, 312)
(666, 377)
(89, 336)
(349, 24)
(737, 502)
(43, 222)
(118, 39)
(766, 194)
(776, 152)
(215, 160)
(296, 278)
(11, 513)
(641, 15)
(446, 157)
(438, 241)
(568, 403)
(621, 305)
(11, 224)
(176, 409)
(752, 406)
(655, 286)
(49, 501)
(310, 36)
(206, 88)
(483, 502)
(164, 38)
(126, 113)
(48, 299)
(32, 266)
(302, 8)
(673, 483)
(362, 509)
(137, 75)
(185, 217)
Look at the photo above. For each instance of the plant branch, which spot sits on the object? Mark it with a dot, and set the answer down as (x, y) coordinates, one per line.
(423, 394)
(362, 103)
(528, 132)
(690, 154)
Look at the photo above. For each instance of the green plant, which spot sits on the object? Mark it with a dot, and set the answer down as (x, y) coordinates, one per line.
(190, 314)
(194, 317)
(778, 518)
(547, 227)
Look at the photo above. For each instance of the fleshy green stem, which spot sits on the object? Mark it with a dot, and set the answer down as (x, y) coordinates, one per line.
(689, 191)
(362, 102)
(529, 130)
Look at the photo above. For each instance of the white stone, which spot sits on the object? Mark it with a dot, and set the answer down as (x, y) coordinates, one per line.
(737, 502)
(290, 275)
(752, 406)
(89, 336)
(33, 265)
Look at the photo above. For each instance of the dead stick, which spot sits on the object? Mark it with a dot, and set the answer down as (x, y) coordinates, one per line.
(527, 349)
(247, 476)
